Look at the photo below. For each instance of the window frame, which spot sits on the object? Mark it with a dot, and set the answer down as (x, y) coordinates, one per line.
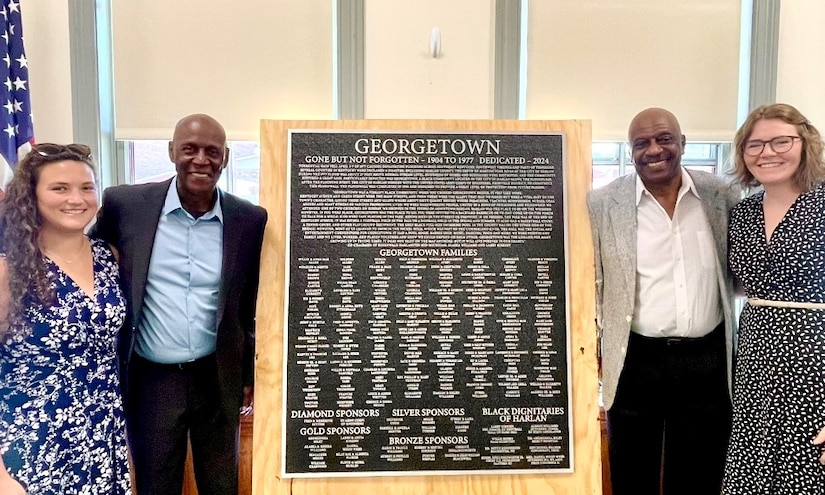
(228, 182)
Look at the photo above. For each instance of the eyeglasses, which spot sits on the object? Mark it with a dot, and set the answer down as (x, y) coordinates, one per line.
(779, 144)
(51, 149)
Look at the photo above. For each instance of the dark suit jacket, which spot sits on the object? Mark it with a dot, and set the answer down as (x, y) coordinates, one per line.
(128, 220)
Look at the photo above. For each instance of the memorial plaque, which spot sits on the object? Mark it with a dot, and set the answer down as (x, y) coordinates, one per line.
(427, 309)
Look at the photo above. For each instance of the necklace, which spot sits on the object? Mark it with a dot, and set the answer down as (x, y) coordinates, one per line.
(77, 255)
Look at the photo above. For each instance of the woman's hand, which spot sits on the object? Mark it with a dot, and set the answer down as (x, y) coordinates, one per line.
(820, 440)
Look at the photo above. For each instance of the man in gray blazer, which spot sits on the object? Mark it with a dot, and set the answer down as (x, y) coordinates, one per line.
(189, 264)
(663, 301)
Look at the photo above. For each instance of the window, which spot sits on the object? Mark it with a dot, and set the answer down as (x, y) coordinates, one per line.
(612, 159)
(609, 162)
(148, 161)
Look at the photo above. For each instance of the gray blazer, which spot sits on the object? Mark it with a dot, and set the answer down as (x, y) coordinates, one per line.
(613, 221)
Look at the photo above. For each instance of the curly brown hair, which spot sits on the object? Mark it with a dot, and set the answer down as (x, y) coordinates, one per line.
(811, 171)
(20, 223)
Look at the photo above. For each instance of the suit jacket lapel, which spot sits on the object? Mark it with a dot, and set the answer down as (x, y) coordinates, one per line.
(623, 220)
(232, 233)
(144, 241)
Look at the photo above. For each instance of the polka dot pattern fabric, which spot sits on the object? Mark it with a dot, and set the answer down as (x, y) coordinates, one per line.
(779, 376)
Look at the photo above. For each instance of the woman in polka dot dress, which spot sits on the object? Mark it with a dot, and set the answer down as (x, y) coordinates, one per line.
(777, 251)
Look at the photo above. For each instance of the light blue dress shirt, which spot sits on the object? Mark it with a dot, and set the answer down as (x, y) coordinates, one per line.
(178, 323)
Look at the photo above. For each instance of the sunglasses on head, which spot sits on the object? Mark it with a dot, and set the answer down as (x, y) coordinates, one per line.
(51, 149)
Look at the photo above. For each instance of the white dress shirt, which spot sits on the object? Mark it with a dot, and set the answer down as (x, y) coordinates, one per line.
(677, 286)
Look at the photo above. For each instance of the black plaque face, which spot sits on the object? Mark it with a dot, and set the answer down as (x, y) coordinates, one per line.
(427, 327)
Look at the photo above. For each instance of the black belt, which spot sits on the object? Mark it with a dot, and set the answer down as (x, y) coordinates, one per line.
(185, 366)
(715, 334)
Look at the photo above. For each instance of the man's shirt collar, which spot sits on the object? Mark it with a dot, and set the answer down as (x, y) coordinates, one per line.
(173, 203)
(687, 185)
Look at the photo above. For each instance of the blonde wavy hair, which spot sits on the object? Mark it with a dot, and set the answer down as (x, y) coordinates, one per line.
(811, 171)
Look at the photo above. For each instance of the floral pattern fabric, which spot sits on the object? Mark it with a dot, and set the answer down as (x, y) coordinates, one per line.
(62, 429)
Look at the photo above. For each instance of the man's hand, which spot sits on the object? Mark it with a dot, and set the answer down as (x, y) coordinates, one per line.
(248, 396)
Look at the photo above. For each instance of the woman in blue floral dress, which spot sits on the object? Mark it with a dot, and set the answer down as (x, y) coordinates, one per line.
(62, 429)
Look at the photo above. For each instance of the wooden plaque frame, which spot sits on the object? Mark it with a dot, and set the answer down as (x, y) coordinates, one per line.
(586, 477)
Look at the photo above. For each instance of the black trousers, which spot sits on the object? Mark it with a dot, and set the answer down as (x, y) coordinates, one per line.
(168, 405)
(670, 422)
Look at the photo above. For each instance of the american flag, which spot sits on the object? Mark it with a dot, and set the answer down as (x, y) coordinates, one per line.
(17, 133)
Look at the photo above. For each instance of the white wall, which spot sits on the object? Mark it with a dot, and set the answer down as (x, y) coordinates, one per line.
(402, 79)
(801, 64)
(46, 39)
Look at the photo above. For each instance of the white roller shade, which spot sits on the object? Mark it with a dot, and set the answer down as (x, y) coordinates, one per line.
(607, 60)
(239, 61)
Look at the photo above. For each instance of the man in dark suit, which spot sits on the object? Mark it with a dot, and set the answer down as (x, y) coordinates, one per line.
(189, 263)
